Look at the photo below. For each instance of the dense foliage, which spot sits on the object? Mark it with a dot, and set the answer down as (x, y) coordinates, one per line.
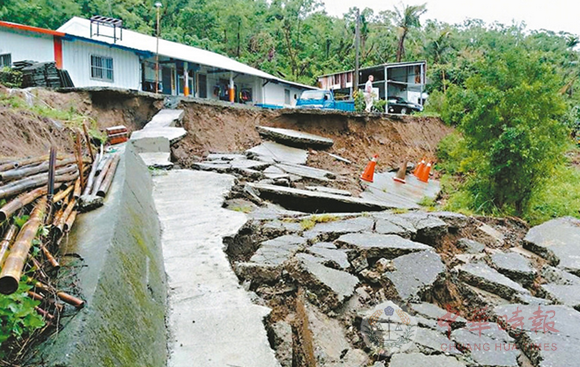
(510, 90)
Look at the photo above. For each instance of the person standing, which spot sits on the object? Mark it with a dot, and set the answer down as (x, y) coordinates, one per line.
(369, 93)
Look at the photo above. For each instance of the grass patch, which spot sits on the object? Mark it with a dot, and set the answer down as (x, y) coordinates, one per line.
(310, 222)
(241, 208)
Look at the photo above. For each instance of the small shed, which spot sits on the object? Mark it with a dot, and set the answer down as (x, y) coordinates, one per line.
(401, 79)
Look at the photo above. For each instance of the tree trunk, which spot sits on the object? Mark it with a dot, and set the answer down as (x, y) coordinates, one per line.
(401, 46)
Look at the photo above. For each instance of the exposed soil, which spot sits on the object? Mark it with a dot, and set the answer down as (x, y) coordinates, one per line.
(394, 138)
(24, 132)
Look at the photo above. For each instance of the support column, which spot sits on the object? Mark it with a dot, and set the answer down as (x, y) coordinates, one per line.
(232, 89)
(186, 79)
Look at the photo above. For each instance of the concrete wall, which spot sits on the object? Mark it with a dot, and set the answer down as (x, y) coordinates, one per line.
(121, 277)
(24, 45)
(77, 60)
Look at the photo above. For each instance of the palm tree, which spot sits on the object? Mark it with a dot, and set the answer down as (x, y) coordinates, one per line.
(407, 17)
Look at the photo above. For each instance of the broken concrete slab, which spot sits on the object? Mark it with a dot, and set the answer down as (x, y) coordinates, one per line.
(551, 333)
(470, 246)
(165, 118)
(376, 246)
(486, 351)
(453, 220)
(421, 360)
(328, 190)
(331, 287)
(273, 172)
(330, 257)
(389, 223)
(225, 157)
(388, 327)
(411, 193)
(151, 145)
(280, 228)
(429, 228)
(157, 160)
(295, 138)
(281, 332)
(493, 234)
(568, 295)
(557, 241)
(268, 261)
(389, 199)
(482, 276)
(330, 345)
(310, 201)
(331, 230)
(221, 167)
(430, 341)
(415, 274)
(307, 172)
(277, 153)
(514, 266)
(436, 313)
(558, 276)
(173, 134)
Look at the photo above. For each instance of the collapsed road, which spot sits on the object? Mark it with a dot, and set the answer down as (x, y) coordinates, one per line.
(273, 253)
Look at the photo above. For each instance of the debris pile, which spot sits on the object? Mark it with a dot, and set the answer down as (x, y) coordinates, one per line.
(406, 288)
(42, 74)
(40, 198)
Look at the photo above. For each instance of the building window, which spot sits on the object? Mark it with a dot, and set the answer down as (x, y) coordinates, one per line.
(102, 68)
(287, 96)
(5, 60)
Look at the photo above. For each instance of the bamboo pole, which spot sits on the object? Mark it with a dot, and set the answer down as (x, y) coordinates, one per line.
(91, 178)
(88, 140)
(19, 173)
(104, 188)
(71, 300)
(19, 202)
(6, 241)
(77, 189)
(60, 221)
(12, 270)
(22, 163)
(17, 187)
(70, 221)
(101, 177)
(63, 194)
(79, 156)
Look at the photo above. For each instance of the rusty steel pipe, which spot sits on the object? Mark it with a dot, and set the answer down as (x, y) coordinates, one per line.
(101, 177)
(53, 262)
(9, 236)
(35, 296)
(19, 202)
(17, 187)
(70, 221)
(12, 270)
(92, 174)
(71, 300)
(104, 188)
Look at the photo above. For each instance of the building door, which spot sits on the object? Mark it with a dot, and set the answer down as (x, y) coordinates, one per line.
(202, 86)
(166, 79)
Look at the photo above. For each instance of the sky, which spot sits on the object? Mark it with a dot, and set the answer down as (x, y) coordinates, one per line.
(554, 15)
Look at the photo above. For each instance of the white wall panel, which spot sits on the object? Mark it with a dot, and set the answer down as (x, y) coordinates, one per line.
(77, 60)
(26, 45)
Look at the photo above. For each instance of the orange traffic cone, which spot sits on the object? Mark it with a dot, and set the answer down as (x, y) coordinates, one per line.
(424, 174)
(419, 167)
(369, 171)
(400, 177)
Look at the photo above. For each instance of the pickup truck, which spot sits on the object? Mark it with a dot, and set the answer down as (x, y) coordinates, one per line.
(322, 99)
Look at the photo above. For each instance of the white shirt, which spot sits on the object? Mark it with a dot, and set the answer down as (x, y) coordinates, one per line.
(368, 87)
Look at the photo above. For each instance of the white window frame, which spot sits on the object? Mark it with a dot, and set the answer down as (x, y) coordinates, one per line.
(3, 57)
(102, 69)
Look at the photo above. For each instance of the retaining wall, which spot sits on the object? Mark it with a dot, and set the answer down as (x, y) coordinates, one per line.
(117, 262)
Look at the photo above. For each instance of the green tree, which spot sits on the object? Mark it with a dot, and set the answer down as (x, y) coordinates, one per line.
(407, 17)
(508, 113)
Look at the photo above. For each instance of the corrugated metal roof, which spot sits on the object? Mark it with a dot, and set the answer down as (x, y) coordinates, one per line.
(80, 27)
(388, 65)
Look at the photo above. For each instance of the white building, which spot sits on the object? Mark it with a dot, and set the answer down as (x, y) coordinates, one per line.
(98, 52)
